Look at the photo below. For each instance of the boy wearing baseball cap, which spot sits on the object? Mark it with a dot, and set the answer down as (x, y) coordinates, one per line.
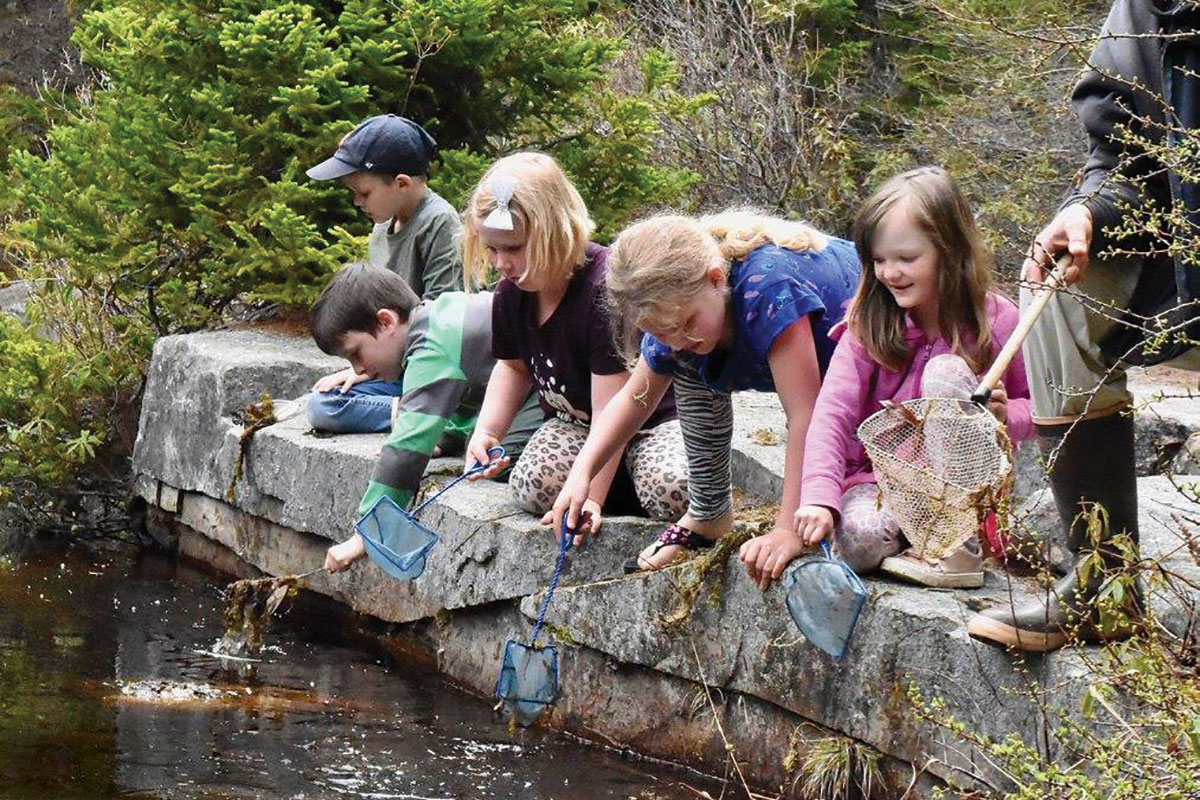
(385, 162)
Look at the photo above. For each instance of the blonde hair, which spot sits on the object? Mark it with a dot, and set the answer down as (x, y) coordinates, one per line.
(659, 264)
(545, 204)
(938, 208)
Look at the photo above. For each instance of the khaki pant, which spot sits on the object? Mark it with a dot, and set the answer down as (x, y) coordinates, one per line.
(1070, 373)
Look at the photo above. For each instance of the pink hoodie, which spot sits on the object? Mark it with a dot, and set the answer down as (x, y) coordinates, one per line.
(855, 387)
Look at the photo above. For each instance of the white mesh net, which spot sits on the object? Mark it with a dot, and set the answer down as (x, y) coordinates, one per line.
(941, 465)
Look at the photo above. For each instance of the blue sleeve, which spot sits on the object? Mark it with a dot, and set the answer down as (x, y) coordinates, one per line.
(659, 358)
(770, 307)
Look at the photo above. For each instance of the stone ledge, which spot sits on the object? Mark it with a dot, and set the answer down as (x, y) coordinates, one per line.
(906, 635)
(300, 491)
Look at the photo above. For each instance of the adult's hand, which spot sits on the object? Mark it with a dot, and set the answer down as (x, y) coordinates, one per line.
(1069, 232)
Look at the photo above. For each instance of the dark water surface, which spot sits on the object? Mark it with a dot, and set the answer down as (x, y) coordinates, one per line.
(102, 694)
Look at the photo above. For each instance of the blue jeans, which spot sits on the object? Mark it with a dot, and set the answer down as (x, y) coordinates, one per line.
(365, 408)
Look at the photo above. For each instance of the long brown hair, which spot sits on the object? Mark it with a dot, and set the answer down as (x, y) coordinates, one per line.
(937, 207)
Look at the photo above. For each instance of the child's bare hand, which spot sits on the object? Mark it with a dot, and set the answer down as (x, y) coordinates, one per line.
(342, 556)
(341, 380)
(767, 556)
(477, 453)
(813, 523)
(590, 520)
(998, 403)
(571, 503)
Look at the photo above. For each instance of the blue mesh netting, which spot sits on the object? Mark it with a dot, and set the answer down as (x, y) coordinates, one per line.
(528, 681)
(824, 599)
(395, 541)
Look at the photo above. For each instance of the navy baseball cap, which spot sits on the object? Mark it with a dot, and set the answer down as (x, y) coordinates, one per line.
(387, 143)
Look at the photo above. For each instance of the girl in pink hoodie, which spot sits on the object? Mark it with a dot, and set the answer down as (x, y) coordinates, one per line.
(925, 322)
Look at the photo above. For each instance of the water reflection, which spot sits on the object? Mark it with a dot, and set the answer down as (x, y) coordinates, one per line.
(105, 691)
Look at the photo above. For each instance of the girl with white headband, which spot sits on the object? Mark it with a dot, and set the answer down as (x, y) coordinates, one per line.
(527, 222)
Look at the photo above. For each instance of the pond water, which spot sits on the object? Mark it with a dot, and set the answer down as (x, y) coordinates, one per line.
(105, 692)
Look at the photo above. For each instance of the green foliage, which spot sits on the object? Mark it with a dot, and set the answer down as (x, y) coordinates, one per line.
(185, 175)
(832, 767)
(56, 396)
(1136, 735)
(178, 185)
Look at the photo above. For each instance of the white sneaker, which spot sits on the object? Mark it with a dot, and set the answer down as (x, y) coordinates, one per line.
(961, 568)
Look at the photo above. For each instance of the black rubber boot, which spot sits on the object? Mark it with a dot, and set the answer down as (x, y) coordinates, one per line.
(1094, 466)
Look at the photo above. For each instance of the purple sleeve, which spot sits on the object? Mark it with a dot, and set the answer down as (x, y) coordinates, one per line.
(772, 309)
(505, 307)
(839, 409)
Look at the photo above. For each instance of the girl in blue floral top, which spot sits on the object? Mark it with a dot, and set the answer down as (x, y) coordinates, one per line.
(732, 302)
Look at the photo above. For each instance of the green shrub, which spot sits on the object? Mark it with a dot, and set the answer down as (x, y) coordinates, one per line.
(178, 185)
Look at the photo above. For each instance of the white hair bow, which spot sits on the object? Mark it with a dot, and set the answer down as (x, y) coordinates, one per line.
(501, 218)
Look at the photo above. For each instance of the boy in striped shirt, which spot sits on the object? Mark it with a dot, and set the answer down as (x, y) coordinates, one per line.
(442, 348)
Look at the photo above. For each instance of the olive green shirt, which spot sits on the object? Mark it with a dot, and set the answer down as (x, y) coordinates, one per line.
(423, 251)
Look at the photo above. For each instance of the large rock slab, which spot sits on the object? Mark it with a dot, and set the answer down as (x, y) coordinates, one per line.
(291, 478)
(743, 641)
(194, 385)
(635, 671)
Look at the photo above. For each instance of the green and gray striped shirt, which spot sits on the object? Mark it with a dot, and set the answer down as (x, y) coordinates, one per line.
(447, 363)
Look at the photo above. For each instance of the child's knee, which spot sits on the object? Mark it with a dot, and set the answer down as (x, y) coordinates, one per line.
(323, 408)
(948, 375)
(864, 550)
(534, 486)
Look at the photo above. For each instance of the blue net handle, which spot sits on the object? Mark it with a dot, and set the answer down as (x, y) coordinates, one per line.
(565, 539)
(493, 453)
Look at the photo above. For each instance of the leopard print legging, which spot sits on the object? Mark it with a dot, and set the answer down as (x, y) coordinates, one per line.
(655, 460)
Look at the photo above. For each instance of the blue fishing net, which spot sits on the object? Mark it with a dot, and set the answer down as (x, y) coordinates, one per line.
(393, 537)
(528, 681)
(394, 540)
(824, 599)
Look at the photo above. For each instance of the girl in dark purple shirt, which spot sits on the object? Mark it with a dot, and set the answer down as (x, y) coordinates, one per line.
(549, 331)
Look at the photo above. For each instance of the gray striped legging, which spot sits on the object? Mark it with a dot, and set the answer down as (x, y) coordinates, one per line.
(706, 419)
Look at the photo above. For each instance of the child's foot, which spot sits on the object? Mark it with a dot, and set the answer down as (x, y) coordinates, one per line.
(676, 541)
(672, 544)
(961, 568)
